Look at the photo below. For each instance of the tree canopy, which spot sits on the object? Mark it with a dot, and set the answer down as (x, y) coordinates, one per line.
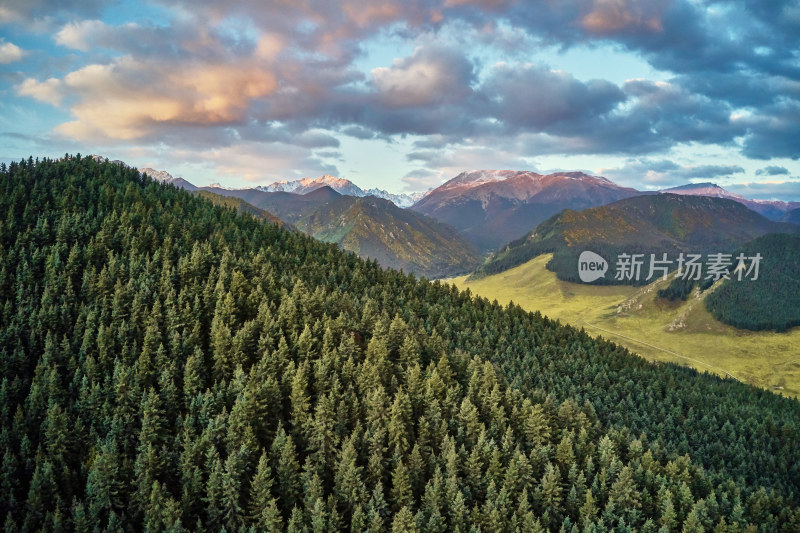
(168, 364)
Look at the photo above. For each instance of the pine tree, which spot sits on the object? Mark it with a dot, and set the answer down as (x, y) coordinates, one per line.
(401, 494)
(287, 469)
(403, 522)
(348, 485)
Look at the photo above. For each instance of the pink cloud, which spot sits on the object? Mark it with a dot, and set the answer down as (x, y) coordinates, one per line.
(129, 98)
(611, 16)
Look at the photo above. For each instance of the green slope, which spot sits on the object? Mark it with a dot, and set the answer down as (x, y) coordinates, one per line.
(371, 228)
(240, 206)
(398, 238)
(682, 332)
(171, 365)
(659, 223)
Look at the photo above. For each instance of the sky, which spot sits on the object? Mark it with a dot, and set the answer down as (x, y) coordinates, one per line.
(405, 94)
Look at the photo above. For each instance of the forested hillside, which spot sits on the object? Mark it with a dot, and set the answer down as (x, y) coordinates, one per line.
(371, 227)
(648, 224)
(398, 238)
(773, 300)
(239, 205)
(168, 364)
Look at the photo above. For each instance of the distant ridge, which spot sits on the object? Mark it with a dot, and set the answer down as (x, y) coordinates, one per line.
(398, 238)
(792, 216)
(166, 177)
(494, 207)
(661, 223)
(340, 185)
(772, 209)
(241, 206)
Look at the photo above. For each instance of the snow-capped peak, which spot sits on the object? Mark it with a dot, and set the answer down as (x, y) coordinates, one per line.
(158, 175)
(306, 185)
(400, 200)
(704, 189)
(478, 177)
(340, 185)
(475, 178)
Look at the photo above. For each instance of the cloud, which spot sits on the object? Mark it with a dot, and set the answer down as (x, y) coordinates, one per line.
(133, 99)
(711, 171)
(773, 132)
(209, 75)
(440, 165)
(664, 173)
(9, 52)
(609, 17)
(788, 190)
(48, 91)
(81, 35)
(41, 15)
(254, 162)
(430, 76)
(534, 98)
(772, 170)
(358, 132)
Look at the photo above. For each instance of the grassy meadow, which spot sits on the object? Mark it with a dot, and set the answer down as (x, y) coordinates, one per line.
(658, 330)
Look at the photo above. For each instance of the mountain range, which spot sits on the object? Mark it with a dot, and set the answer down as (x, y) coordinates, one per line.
(369, 226)
(239, 205)
(493, 207)
(342, 186)
(398, 238)
(657, 223)
(165, 177)
(792, 216)
(500, 210)
(772, 209)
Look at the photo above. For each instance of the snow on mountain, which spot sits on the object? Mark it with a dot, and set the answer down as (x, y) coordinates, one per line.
(340, 185)
(477, 178)
(772, 209)
(703, 189)
(158, 175)
(493, 207)
(400, 200)
(102, 159)
(306, 185)
(165, 177)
